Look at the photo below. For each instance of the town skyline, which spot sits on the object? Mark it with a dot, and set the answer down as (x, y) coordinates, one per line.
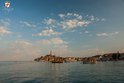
(69, 28)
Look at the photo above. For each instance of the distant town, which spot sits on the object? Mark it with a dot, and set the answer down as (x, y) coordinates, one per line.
(86, 60)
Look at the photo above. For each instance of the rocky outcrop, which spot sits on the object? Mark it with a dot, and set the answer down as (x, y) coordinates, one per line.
(93, 59)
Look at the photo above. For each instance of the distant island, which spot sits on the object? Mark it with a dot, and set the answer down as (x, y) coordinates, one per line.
(93, 59)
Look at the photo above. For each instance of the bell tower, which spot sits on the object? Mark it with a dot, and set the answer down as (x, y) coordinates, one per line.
(51, 52)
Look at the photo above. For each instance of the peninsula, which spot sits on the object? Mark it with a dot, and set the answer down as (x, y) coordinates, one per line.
(93, 59)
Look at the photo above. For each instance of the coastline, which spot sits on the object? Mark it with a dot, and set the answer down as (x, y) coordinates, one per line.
(86, 60)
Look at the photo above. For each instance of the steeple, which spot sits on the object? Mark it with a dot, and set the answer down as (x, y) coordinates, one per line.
(51, 52)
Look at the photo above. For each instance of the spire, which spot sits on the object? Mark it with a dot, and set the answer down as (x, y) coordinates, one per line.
(51, 52)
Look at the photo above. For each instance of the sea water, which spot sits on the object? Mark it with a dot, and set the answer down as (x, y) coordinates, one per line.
(74, 72)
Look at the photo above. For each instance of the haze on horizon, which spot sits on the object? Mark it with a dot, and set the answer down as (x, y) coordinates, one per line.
(29, 29)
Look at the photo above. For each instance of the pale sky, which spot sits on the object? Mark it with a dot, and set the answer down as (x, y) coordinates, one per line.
(31, 28)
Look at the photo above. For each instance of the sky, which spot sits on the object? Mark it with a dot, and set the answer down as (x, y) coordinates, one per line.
(80, 28)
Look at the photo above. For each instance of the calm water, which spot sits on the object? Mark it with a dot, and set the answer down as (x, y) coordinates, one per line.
(40, 72)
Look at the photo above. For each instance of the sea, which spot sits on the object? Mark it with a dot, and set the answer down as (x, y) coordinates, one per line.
(74, 72)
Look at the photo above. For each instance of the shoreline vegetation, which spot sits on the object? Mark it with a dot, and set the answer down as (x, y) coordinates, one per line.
(86, 60)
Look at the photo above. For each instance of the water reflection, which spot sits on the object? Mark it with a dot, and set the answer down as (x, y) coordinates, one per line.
(42, 72)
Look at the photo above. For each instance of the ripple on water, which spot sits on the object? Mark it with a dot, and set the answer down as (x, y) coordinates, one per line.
(31, 72)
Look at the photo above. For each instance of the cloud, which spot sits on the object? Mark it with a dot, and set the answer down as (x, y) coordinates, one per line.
(73, 23)
(103, 19)
(49, 21)
(102, 34)
(61, 16)
(86, 31)
(54, 42)
(57, 41)
(70, 15)
(23, 50)
(48, 32)
(67, 21)
(20, 49)
(4, 31)
(72, 20)
(27, 24)
(23, 42)
(58, 45)
(93, 18)
(5, 22)
(107, 34)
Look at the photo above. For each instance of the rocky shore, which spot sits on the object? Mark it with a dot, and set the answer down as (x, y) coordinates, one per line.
(57, 59)
(93, 59)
